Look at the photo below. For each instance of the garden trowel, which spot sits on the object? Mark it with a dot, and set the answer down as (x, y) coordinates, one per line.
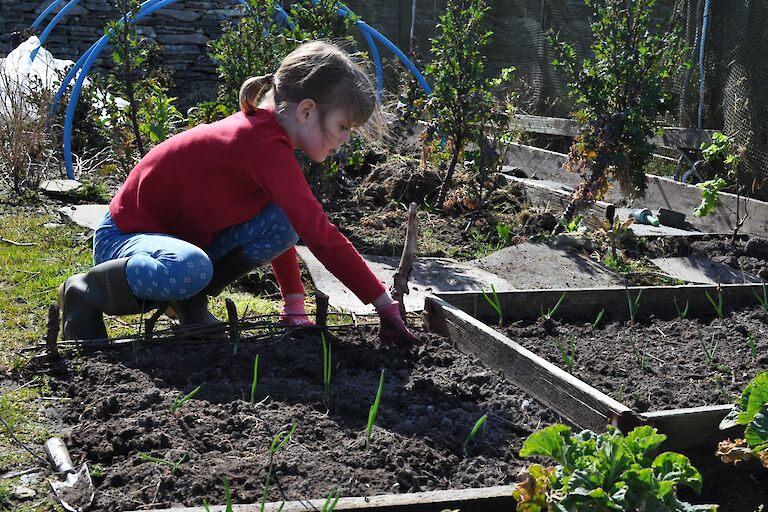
(75, 491)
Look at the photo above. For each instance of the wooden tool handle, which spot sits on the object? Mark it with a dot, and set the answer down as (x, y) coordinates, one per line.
(58, 455)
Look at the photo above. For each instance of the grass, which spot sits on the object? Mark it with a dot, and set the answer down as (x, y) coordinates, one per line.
(173, 466)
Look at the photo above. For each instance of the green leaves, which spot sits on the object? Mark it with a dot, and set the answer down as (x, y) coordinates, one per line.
(752, 411)
(604, 472)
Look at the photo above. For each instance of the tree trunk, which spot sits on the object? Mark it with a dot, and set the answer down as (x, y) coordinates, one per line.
(449, 177)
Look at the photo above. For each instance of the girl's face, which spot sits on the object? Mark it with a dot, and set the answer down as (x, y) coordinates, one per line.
(320, 138)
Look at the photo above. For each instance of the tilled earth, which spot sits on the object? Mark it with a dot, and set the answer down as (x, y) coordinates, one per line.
(119, 409)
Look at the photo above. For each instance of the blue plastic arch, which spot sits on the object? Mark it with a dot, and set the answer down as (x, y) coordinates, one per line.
(85, 62)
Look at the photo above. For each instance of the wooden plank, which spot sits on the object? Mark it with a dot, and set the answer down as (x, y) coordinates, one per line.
(581, 303)
(662, 192)
(488, 499)
(692, 427)
(573, 399)
(547, 193)
(672, 137)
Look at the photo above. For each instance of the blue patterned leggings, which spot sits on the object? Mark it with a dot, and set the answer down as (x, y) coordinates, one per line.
(162, 267)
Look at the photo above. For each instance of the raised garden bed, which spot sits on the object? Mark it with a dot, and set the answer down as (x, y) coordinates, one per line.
(117, 408)
(677, 373)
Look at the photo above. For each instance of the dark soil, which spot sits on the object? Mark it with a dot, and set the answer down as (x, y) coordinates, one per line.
(432, 397)
(661, 364)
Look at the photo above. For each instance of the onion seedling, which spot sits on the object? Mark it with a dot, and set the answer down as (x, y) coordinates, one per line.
(327, 360)
(569, 357)
(764, 299)
(373, 412)
(641, 356)
(255, 378)
(710, 350)
(473, 433)
(495, 304)
(227, 497)
(180, 400)
(277, 443)
(550, 311)
(681, 314)
(598, 319)
(718, 307)
(634, 304)
(173, 465)
(331, 500)
(752, 346)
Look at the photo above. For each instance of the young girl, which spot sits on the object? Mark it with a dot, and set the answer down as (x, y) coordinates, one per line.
(210, 204)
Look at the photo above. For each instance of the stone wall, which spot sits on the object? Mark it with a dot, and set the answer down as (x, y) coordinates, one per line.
(184, 28)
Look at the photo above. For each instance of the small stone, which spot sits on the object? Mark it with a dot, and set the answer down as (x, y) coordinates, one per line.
(23, 493)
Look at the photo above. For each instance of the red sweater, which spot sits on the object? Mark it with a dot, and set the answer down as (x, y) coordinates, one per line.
(218, 175)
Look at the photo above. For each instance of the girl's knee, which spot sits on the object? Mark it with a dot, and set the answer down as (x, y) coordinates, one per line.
(188, 275)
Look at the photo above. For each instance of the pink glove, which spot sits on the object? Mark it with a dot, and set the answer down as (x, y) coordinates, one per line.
(392, 329)
(293, 313)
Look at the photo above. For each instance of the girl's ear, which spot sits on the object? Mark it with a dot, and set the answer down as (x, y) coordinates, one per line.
(304, 110)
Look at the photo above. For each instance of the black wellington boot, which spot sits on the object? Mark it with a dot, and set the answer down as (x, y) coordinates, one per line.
(84, 297)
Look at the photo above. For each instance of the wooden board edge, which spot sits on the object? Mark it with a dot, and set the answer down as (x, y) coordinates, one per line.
(486, 499)
(585, 406)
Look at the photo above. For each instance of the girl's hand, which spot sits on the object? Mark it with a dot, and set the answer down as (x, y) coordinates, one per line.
(392, 329)
(293, 313)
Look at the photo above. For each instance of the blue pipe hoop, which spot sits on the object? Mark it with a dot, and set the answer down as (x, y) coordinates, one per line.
(85, 62)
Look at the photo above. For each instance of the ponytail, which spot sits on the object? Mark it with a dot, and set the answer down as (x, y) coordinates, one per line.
(251, 90)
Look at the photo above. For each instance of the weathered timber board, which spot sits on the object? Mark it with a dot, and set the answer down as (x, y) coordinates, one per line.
(661, 193)
(580, 303)
(693, 427)
(489, 499)
(672, 137)
(573, 399)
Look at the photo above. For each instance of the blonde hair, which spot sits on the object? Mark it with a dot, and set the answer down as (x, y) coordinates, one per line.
(322, 72)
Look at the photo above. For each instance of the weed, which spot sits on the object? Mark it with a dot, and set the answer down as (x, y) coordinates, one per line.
(180, 400)
(598, 319)
(327, 361)
(718, 307)
(255, 378)
(569, 356)
(551, 311)
(752, 346)
(634, 304)
(710, 349)
(718, 378)
(373, 412)
(681, 314)
(495, 304)
(277, 443)
(475, 429)
(173, 465)
(621, 393)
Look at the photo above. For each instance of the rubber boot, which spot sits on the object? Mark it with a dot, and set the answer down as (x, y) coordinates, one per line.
(227, 270)
(84, 297)
(193, 313)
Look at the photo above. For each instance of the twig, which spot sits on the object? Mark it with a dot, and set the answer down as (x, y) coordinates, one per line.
(13, 436)
(400, 280)
(18, 244)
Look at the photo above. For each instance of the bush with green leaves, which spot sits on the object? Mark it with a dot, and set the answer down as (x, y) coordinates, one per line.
(604, 472)
(622, 91)
(752, 411)
(462, 102)
(136, 77)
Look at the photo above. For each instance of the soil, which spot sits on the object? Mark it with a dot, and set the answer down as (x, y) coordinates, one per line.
(659, 364)
(432, 397)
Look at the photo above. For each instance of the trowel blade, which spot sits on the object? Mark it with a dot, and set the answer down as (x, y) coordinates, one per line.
(76, 492)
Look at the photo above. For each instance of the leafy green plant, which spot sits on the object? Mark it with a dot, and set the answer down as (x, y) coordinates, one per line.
(569, 356)
(710, 196)
(475, 429)
(602, 472)
(495, 304)
(373, 412)
(280, 439)
(621, 90)
(750, 410)
(717, 306)
(462, 100)
(681, 314)
(710, 349)
(634, 304)
(550, 311)
(327, 361)
(615, 231)
(255, 378)
(182, 399)
(598, 319)
(173, 465)
(575, 225)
